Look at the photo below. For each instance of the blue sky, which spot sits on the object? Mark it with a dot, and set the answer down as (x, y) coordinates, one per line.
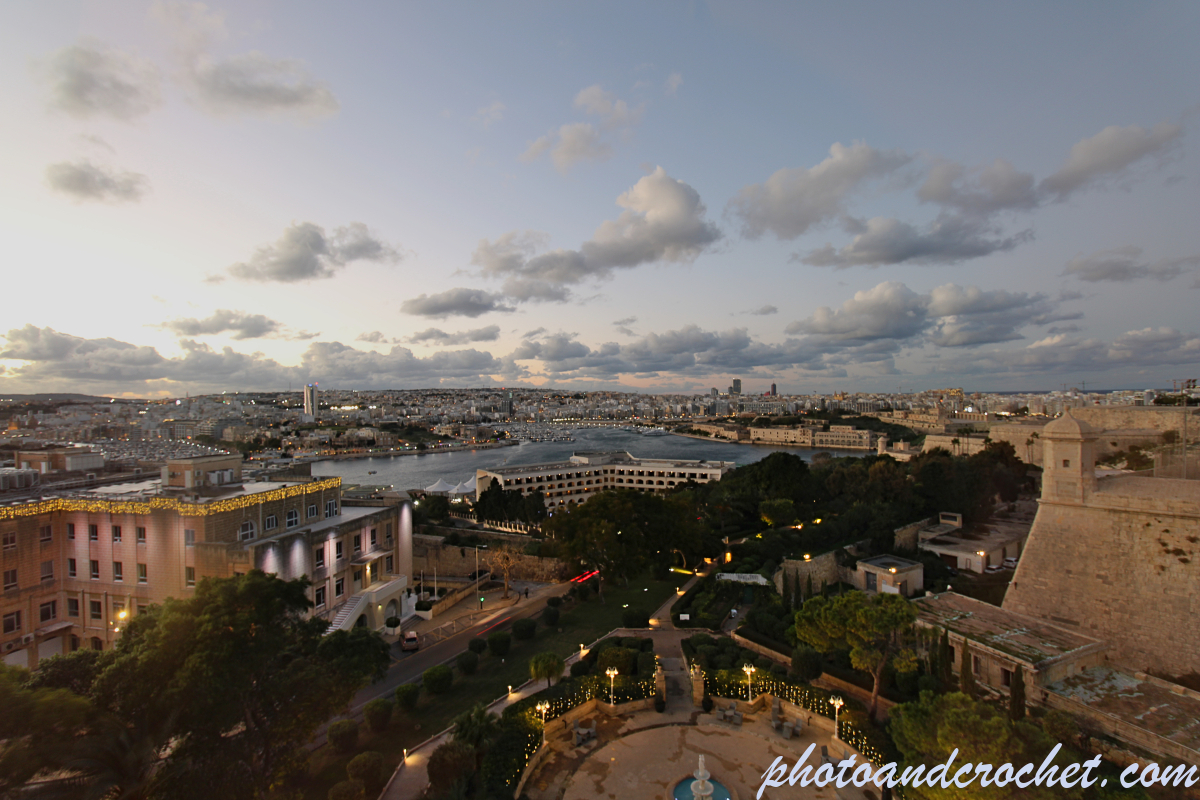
(655, 196)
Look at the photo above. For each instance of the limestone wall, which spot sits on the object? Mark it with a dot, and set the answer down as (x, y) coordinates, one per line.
(430, 553)
(823, 569)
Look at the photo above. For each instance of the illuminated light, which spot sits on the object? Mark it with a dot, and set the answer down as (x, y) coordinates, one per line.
(807, 557)
(892, 570)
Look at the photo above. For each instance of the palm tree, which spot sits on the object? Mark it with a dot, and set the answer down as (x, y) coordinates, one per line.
(546, 665)
(1029, 450)
(476, 729)
(954, 442)
(120, 761)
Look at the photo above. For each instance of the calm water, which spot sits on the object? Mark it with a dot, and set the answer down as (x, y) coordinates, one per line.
(419, 471)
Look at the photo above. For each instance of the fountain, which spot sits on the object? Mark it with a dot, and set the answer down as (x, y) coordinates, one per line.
(702, 788)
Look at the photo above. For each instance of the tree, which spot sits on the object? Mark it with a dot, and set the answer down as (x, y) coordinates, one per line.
(945, 661)
(546, 665)
(1016, 696)
(37, 727)
(966, 671)
(449, 763)
(75, 672)
(876, 629)
(475, 729)
(777, 512)
(504, 559)
(240, 677)
(121, 762)
(437, 507)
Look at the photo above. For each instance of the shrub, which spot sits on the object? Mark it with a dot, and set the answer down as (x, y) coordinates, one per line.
(407, 695)
(700, 640)
(347, 790)
(624, 659)
(392, 622)
(722, 662)
(368, 768)
(647, 645)
(635, 618)
(448, 763)
(343, 735)
(632, 643)
(807, 664)
(378, 713)
(477, 646)
(467, 662)
(707, 704)
(424, 605)
(550, 616)
(763, 663)
(553, 602)
(778, 670)
(437, 679)
(646, 664)
(582, 592)
(499, 644)
(524, 629)
(580, 668)
(509, 753)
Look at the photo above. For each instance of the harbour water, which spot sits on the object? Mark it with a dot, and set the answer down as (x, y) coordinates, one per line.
(418, 471)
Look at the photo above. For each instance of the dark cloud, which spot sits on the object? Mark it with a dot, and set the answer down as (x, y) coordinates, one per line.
(437, 336)
(792, 201)
(304, 252)
(663, 220)
(238, 324)
(89, 80)
(980, 192)
(253, 83)
(374, 337)
(948, 239)
(1125, 264)
(1108, 154)
(339, 364)
(455, 303)
(533, 333)
(764, 311)
(83, 180)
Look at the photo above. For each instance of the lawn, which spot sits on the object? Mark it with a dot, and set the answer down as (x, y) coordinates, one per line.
(580, 623)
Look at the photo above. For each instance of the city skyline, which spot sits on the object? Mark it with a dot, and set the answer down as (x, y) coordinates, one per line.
(217, 197)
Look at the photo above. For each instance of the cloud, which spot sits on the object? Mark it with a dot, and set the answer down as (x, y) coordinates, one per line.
(571, 144)
(792, 201)
(980, 192)
(490, 114)
(238, 324)
(533, 333)
(374, 337)
(89, 80)
(764, 311)
(339, 364)
(1107, 154)
(455, 303)
(663, 220)
(948, 239)
(622, 326)
(83, 180)
(436, 336)
(1124, 264)
(304, 252)
(674, 81)
(613, 112)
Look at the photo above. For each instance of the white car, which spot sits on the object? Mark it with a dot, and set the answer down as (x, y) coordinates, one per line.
(993, 568)
(1010, 563)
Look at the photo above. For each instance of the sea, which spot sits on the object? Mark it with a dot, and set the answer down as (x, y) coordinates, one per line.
(425, 469)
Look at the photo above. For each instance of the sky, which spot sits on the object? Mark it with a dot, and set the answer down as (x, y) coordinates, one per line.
(652, 197)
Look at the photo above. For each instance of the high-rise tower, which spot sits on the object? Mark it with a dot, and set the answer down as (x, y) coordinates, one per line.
(310, 399)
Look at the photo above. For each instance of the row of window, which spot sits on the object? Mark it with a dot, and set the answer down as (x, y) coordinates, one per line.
(338, 554)
(48, 612)
(291, 520)
(47, 572)
(339, 585)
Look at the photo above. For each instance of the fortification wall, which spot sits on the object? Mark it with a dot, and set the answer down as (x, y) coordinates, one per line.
(1123, 567)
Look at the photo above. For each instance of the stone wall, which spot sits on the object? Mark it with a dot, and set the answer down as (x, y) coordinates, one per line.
(1120, 729)
(430, 553)
(822, 568)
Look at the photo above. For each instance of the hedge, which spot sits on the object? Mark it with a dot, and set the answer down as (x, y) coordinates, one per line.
(343, 735)
(368, 768)
(524, 629)
(378, 713)
(499, 643)
(347, 790)
(437, 680)
(407, 696)
(766, 641)
(550, 616)
(477, 646)
(467, 662)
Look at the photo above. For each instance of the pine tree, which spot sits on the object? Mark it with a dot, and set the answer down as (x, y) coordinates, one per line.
(1016, 696)
(797, 598)
(810, 591)
(945, 672)
(966, 672)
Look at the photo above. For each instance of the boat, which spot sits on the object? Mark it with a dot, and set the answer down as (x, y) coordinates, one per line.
(372, 471)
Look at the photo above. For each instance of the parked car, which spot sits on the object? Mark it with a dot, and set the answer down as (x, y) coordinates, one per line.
(409, 641)
(991, 568)
(1010, 562)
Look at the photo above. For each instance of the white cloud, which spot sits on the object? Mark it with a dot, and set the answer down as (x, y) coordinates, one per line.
(239, 324)
(489, 115)
(83, 180)
(1125, 264)
(457, 302)
(373, 337)
(437, 336)
(89, 80)
(571, 144)
(948, 239)
(674, 81)
(1109, 153)
(981, 192)
(613, 112)
(305, 252)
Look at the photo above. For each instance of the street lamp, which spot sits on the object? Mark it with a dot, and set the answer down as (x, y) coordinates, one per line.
(749, 670)
(611, 672)
(484, 546)
(837, 704)
(581, 652)
(542, 708)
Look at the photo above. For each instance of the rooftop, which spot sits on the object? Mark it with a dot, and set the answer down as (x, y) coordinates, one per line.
(889, 561)
(1025, 638)
(588, 458)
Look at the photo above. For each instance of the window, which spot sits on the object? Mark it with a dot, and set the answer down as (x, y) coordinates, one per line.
(339, 587)
(312, 510)
(293, 518)
(337, 550)
(319, 597)
(74, 643)
(373, 538)
(10, 541)
(977, 665)
(142, 575)
(1066, 462)
(10, 579)
(93, 533)
(142, 608)
(389, 565)
(71, 531)
(118, 571)
(47, 571)
(72, 607)
(71, 568)
(189, 576)
(97, 643)
(387, 533)
(95, 610)
(141, 535)
(319, 558)
(358, 543)
(116, 533)
(358, 574)
(189, 537)
(1006, 677)
(271, 522)
(95, 565)
(117, 610)
(48, 612)
(46, 534)
(246, 531)
(331, 508)
(12, 622)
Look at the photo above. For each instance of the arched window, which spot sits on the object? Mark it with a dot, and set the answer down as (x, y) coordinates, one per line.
(246, 531)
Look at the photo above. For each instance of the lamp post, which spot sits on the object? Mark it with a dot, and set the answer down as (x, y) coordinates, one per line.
(837, 704)
(484, 546)
(611, 672)
(749, 670)
(542, 708)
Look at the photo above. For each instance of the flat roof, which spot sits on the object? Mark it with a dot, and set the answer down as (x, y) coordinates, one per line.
(618, 457)
(349, 514)
(1137, 701)
(887, 561)
(153, 488)
(1025, 638)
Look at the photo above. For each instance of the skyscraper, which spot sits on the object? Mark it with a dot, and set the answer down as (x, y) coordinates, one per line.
(774, 393)
(737, 385)
(310, 399)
